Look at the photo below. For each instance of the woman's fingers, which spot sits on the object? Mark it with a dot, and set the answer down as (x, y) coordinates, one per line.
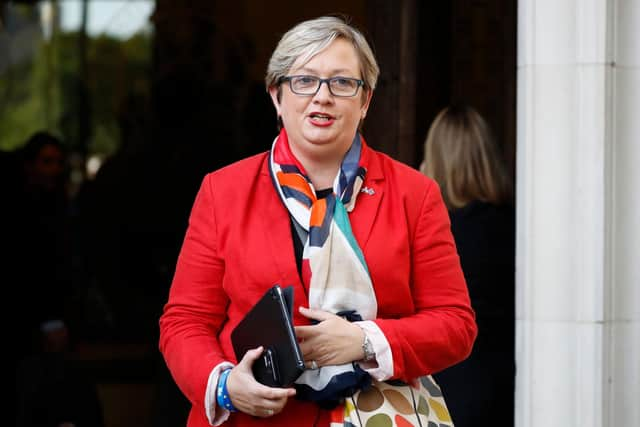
(318, 315)
(250, 357)
(265, 407)
(251, 397)
(334, 341)
(268, 407)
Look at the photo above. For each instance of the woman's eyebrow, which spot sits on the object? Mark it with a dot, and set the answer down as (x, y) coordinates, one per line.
(315, 72)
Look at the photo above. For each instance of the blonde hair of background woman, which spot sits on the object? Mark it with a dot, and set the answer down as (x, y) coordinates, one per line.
(461, 155)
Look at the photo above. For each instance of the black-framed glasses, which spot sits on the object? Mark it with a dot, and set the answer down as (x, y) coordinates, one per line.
(310, 85)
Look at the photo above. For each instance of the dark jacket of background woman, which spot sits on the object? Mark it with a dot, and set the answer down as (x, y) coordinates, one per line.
(480, 390)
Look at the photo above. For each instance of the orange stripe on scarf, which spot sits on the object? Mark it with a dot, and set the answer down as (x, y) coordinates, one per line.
(318, 213)
(297, 182)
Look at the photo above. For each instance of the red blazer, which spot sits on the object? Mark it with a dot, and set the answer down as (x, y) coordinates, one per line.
(239, 243)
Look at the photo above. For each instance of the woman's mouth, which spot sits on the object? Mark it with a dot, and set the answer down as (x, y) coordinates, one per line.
(321, 118)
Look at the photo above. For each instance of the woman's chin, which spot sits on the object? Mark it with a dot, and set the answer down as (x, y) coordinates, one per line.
(320, 138)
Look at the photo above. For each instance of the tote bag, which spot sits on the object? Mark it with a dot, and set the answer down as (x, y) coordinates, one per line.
(398, 404)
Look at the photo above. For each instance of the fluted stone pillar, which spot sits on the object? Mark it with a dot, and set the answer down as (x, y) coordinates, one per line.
(578, 200)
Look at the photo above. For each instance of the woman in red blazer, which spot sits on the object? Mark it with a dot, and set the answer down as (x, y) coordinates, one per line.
(364, 240)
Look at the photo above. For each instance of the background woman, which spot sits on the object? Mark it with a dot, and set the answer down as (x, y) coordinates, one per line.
(462, 156)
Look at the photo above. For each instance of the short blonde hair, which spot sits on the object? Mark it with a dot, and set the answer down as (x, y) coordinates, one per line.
(461, 155)
(308, 38)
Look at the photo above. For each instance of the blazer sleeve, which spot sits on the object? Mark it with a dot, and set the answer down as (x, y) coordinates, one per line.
(441, 330)
(196, 306)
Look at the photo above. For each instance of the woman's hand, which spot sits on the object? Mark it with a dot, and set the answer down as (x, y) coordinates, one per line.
(251, 397)
(333, 341)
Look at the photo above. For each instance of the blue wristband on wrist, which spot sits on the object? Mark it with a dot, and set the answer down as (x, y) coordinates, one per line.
(222, 395)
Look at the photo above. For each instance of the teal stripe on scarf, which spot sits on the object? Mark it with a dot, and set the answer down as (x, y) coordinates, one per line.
(341, 219)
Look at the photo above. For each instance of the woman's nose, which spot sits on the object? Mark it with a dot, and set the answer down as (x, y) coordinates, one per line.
(323, 93)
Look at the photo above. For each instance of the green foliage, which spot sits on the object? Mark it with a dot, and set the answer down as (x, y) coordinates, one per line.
(47, 91)
(26, 92)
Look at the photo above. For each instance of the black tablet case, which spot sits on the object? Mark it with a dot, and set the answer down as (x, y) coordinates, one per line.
(269, 324)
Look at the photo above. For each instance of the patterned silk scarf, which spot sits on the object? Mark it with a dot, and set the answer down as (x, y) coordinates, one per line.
(333, 266)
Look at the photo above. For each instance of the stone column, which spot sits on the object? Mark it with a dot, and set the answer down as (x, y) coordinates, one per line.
(622, 351)
(578, 213)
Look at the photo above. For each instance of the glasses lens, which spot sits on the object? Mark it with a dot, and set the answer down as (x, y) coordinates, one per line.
(342, 86)
(304, 85)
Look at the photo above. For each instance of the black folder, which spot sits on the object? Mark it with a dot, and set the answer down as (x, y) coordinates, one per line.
(269, 324)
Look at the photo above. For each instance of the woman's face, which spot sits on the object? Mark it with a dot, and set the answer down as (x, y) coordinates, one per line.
(47, 169)
(322, 126)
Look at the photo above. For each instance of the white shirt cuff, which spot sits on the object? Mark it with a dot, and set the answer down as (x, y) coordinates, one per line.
(381, 368)
(215, 417)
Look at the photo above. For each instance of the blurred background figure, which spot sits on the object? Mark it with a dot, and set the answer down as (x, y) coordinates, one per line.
(53, 388)
(37, 249)
(38, 242)
(461, 154)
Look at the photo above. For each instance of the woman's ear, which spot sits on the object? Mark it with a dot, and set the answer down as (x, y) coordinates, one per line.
(274, 91)
(365, 104)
